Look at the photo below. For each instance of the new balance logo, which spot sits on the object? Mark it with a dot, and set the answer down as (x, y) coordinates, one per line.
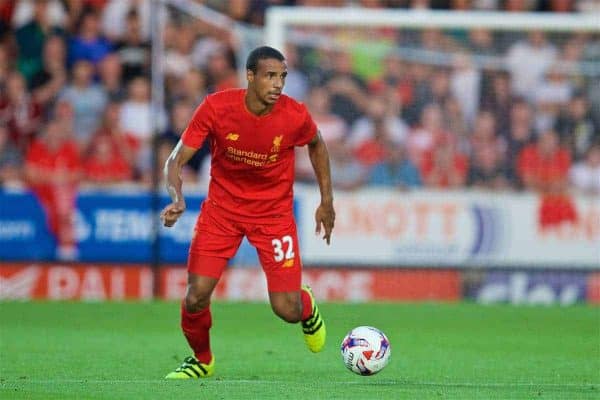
(232, 136)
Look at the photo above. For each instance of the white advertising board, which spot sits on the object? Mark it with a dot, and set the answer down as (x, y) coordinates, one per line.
(375, 227)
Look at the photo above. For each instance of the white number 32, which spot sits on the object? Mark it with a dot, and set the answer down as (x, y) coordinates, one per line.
(278, 248)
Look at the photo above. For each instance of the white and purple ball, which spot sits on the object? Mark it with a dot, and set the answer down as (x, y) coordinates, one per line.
(366, 350)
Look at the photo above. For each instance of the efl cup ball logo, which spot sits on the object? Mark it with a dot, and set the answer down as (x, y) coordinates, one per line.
(366, 350)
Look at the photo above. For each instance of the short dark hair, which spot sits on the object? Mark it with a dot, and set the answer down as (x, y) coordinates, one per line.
(262, 53)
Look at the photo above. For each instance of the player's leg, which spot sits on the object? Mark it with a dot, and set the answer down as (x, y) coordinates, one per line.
(215, 241)
(196, 318)
(286, 305)
(279, 255)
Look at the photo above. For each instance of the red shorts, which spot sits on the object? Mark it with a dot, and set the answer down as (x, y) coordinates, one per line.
(217, 236)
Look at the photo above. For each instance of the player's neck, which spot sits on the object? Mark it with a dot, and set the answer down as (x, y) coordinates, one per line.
(255, 106)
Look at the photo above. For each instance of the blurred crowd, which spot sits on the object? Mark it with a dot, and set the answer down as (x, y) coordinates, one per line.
(75, 103)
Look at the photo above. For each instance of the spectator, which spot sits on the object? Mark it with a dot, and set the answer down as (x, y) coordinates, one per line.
(528, 61)
(465, 82)
(395, 170)
(49, 81)
(430, 131)
(519, 5)
(75, 9)
(105, 165)
(544, 168)
(19, 112)
(420, 75)
(481, 42)
(443, 167)
(520, 134)
(206, 44)
(191, 89)
(455, 122)
(137, 120)
(433, 39)
(346, 172)
(178, 56)
(394, 76)
(585, 175)
(381, 115)
(440, 86)
(136, 115)
(31, 37)
(122, 143)
(114, 18)
(64, 114)
(576, 127)
(133, 49)
(487, 171)
(88, 100)
(180, 116)
(53, 170)
(484, 134)
(556, 5)
(25, 11)
(110, 72)
(347, 90)
(498, 100)
(11, 160)
(551, 95)
(220, 72)
(296, 81)
(88, 44)
(332, 127)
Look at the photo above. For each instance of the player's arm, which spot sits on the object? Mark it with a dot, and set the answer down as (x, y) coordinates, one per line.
(319, 158)
(180, 155)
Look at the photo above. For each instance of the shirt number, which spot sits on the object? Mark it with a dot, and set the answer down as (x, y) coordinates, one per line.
(278, 248)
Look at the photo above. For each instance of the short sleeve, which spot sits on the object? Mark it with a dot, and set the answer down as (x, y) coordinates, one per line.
(200, 126)
(307, 130)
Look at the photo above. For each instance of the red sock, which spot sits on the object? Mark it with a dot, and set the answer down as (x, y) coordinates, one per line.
(195, 327)
(307, 305)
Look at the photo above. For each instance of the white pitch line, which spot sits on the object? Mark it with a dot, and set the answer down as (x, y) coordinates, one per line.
(263, 381)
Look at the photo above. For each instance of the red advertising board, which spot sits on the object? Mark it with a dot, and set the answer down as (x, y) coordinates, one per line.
(331, 284)
(75, 282)
(593, 288)
(118, 282)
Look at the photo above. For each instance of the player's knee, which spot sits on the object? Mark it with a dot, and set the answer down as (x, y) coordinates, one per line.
(196, 299)
(289, 311)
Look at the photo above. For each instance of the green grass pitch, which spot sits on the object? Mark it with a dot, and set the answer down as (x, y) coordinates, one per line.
(461, 351)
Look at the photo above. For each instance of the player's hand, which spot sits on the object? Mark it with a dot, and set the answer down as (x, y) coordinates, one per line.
(171, 213)
(325, 218)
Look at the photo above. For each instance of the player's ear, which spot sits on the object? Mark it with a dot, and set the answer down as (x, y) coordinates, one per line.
(249, 75)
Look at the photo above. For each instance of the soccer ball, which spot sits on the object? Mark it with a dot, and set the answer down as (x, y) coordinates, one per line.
(366, 350)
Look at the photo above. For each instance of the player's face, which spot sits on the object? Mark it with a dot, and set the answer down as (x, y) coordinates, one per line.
(269, 79)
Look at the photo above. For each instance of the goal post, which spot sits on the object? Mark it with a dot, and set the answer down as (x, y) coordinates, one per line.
(279, 18)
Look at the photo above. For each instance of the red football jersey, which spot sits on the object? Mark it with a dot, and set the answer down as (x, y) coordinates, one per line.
(252, 167)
